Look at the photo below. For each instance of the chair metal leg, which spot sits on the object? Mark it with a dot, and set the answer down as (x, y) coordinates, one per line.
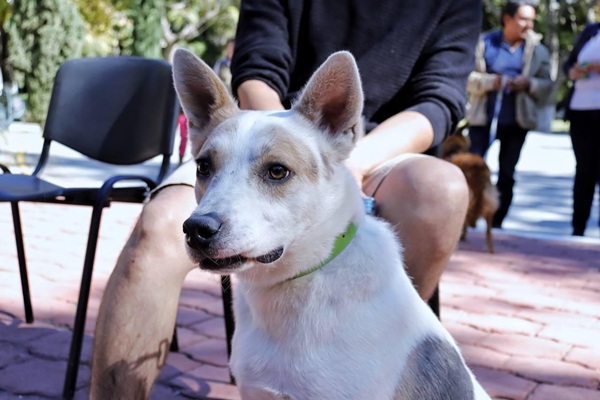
(434, 302)
(228, 315)
(174, 341)
(22, 263)
(82, 303)
(227, 311)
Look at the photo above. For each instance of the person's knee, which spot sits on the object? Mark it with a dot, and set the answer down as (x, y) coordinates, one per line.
(427, 186)
(454, 191)
(157, 238)
(163, 216)
(427, 200)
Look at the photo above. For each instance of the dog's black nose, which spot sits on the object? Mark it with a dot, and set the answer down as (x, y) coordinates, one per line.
(200, 229)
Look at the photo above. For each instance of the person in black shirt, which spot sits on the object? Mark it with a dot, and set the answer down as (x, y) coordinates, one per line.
(414, 58)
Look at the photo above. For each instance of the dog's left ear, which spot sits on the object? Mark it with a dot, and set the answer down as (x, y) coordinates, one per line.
(333, 97)
(204, 98)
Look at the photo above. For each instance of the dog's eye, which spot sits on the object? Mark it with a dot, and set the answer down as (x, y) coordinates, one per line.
(203, 168)
(278, 172)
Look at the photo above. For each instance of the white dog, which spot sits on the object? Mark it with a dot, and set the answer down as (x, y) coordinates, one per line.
(324, 309)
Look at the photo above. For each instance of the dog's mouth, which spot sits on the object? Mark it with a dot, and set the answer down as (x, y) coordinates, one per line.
(233, 262)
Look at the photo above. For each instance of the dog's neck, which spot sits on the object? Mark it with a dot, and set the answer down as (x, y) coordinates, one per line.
(341, 242)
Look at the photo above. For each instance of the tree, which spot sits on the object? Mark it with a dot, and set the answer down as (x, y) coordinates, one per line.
(5, 10)
(203, 26)
(146, 17)
(98, 15)
(43, 35)
(133, 26)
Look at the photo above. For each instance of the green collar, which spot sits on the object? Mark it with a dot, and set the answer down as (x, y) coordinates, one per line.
(341, 242)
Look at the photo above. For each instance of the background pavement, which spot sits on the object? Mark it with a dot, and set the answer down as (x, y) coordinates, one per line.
(526, 318)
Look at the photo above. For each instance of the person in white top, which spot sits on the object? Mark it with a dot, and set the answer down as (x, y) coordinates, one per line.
(583, 112)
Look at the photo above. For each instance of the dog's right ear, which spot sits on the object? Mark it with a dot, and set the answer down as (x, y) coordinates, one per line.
(204, 98)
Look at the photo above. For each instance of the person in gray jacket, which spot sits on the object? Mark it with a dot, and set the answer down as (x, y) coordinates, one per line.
(512, 74)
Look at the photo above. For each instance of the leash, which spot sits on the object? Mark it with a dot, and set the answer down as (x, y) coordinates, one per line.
(497, 108)
(341, 242)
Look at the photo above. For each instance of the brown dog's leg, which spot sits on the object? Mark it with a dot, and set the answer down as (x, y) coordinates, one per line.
(490, 206)
(488, 235)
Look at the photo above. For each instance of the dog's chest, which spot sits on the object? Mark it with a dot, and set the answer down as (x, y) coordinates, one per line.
(331, 342)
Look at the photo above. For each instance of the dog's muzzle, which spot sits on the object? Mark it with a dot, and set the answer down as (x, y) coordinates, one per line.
(201, 231)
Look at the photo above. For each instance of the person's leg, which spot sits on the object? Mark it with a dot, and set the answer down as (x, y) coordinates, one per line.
(480, 139)
(137, 314)
(425, 199)
(583, 133)
(511, 139)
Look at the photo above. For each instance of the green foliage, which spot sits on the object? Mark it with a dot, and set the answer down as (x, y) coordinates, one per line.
(146, 15)
(5, 10)
(97, 15)
(139, 26)
(43, 35)
(108, 27)
(203, 26)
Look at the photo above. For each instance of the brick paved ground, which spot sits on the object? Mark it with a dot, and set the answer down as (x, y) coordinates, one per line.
(526, 318)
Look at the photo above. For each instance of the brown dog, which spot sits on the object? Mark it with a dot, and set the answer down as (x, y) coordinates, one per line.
(483, 196)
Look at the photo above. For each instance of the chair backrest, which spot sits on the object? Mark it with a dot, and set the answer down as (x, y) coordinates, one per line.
(117, 110)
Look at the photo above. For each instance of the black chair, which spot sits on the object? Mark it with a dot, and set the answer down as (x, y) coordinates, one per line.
(120, 111)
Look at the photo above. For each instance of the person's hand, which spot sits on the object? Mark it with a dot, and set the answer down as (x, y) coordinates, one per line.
(518, 84)
(257, 95)
(498, 82)
(578, 71)
(593, 67)
(356, 172)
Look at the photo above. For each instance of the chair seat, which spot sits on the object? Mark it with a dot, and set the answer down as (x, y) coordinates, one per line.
(18, 187)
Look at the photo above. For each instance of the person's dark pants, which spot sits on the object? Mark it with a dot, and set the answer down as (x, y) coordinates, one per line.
(585, 136)
(512, 138)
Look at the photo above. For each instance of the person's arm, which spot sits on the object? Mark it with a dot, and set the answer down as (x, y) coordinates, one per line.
(480, 82)
(405, 132)
(437, 89)
(257, 95)
(593, 67)
(262, 52)
(571, 68)
(437, 86)
(539, 85)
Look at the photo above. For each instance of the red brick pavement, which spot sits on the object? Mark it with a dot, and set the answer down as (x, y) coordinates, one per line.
(527, 318)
